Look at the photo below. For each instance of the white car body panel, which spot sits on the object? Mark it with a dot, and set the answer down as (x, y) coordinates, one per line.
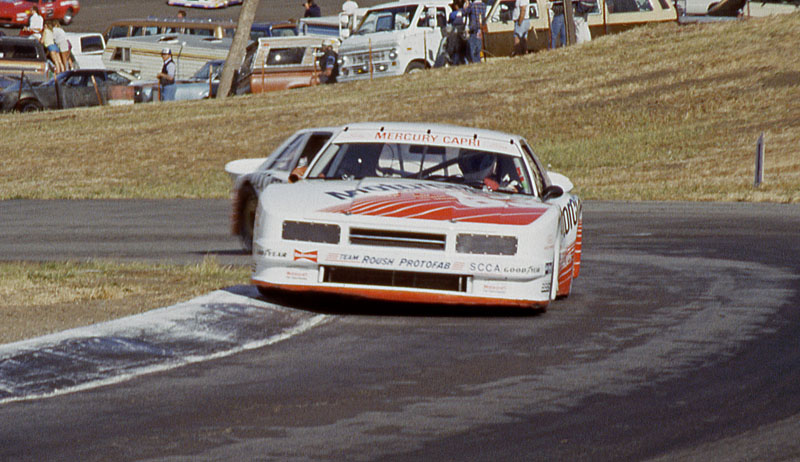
(86, 58)
(405, 228)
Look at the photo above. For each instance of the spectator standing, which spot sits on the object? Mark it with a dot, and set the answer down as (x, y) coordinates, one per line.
(456, 40)
(522, 24)
(167, 75)
(558, 28)
(35, 24)
(60, 37)
(329, 63)
(476, 12)
(181, 14)
(312, 9)
(582, 10)
(50, 45)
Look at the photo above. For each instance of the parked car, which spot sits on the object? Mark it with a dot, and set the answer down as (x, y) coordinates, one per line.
(272, 29)
(203, 84)
(76, 88)
(252, 176)
(22, 55)
(87, 49)
(16, 13)
(422, 213)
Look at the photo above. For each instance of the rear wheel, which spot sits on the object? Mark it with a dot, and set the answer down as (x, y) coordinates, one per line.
(29, 105)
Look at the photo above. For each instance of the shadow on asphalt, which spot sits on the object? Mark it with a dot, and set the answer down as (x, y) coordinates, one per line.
(344, 305)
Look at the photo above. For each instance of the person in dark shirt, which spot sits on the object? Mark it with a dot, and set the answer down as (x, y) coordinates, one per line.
(312, 9)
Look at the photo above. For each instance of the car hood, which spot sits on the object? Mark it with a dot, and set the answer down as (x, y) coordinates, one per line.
(377, 41)
(425, 202)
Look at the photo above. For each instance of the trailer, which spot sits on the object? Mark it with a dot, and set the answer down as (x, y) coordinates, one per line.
(141, 56)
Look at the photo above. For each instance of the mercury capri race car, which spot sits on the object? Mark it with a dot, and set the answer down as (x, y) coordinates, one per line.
(251, 176)
(422, 213)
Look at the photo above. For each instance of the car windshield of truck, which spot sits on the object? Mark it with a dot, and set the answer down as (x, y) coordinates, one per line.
(212, 67)
(457, 165)
(387, 19)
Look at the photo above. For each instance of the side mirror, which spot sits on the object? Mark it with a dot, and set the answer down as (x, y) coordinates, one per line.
(552, 192)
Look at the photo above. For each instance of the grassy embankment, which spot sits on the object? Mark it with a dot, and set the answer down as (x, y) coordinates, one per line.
(657, 113)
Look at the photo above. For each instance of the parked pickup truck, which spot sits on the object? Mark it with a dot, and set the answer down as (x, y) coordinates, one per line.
(280, 63)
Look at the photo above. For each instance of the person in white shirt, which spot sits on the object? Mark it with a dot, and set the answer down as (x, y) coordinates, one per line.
(35, 23)
(522, 24)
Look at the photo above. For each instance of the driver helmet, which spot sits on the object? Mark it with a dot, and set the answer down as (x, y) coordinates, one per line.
(475, 165)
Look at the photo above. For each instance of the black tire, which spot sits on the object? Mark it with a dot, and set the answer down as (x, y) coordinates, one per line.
(415, 66)
(247, 217)
(68, 16)
(29, 105)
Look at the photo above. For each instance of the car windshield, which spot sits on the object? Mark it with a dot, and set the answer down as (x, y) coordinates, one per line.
(387, 19)
(215, 67)
(477, 168)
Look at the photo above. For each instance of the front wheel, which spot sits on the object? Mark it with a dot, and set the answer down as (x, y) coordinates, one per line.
(415, 66)
(67, 19)
(247, 217)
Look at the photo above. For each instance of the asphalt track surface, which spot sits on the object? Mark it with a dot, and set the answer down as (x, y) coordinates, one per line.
(679, 342)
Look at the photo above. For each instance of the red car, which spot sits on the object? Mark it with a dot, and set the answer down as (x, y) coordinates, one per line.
(15, 13)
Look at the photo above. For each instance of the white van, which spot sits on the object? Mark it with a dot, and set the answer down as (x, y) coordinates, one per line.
(394, 38)
(87, 49)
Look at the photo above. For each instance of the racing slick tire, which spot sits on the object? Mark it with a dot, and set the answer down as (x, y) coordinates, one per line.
(414, 66)
(247, 216)
(29, 105)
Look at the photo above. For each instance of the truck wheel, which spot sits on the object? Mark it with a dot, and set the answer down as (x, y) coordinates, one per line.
(29, 105)
(414, 66)
(67, 19)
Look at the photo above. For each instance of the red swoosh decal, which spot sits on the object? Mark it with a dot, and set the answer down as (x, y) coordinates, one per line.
(440, 207)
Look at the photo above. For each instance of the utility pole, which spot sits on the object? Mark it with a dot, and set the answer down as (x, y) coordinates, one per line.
(238, 47)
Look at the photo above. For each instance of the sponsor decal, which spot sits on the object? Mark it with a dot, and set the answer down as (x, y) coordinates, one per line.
(496, 268)
(297, 275)
(455, 206)
(271, 253)
(418, 263)
(570, 215)
(427, 138)
(310, 255)
(494, 288)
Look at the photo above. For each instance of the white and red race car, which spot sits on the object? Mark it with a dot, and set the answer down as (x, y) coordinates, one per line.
(422, 213)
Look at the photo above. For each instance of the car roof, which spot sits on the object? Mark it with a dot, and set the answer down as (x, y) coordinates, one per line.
(431, 133)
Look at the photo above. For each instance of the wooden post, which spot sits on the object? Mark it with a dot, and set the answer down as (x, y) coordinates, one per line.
(569, 23)
(97, 92)
(238, 47)
(759, 161)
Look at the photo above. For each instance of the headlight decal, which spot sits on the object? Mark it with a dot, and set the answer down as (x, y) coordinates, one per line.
(310, 232)
(486, 245)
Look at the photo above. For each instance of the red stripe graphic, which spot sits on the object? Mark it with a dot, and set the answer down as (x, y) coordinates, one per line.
(441, 207)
